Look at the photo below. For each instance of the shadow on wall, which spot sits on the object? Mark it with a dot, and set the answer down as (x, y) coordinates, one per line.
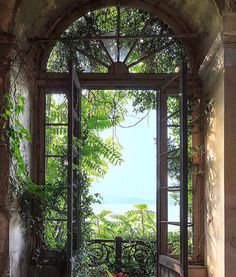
(214, 182)
(17, 247)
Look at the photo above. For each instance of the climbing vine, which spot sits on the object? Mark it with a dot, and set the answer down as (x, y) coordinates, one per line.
(23, 189)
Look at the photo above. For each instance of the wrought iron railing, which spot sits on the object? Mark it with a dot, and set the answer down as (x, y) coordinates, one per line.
(134, 257)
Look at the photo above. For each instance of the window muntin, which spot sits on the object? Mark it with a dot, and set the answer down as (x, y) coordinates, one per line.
(55, 158)
(128, 38)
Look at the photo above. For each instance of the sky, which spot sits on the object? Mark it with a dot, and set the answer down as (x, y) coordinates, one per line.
(134, 181)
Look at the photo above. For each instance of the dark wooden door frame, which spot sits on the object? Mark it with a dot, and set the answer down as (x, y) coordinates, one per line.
(58, 83)
(162, 169)
(73, 175)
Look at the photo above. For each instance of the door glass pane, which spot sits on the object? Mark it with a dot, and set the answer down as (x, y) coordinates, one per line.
(173, 240)
(56, 140)
(56, 108)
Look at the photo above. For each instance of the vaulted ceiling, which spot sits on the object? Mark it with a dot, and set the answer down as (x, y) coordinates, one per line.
(37, 16)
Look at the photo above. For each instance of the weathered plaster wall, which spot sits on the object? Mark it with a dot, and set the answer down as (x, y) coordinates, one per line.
(7, 12)
(4, 213)
(195, 15)
(12, 240)
(201, 17)
(213, 80)
(19, 248)
(4, 161)
(23, 84)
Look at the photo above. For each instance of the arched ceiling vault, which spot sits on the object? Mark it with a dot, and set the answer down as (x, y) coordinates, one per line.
(47, 18)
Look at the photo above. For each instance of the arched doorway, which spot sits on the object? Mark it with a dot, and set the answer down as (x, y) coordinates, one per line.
(113, 54)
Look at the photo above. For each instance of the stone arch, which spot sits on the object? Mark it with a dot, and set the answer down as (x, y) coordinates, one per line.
(50, 19)
(72, 14)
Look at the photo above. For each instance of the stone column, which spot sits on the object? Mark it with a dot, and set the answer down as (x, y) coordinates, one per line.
(6, 42)
(219, 78)
(212, 75)
(230, 157)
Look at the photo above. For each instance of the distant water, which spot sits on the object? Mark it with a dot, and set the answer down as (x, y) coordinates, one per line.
(134, 181)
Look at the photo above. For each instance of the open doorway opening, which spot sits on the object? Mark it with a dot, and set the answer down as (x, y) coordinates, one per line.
(126, 217)
(111, 121)
(106, 234)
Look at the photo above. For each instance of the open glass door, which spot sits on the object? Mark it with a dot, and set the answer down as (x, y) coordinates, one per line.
(74, 176)
(172, 175)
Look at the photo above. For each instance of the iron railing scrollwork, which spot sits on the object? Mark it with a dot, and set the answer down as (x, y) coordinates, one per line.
(134, 257)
